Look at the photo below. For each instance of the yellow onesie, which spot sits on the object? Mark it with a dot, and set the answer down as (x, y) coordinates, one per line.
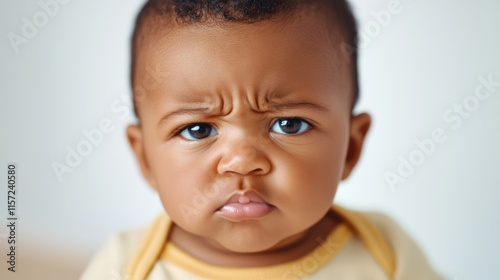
(365, 246)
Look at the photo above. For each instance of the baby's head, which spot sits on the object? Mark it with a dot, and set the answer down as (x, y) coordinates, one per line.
(245, 115)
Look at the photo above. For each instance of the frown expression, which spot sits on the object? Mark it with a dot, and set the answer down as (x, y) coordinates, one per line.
(249, 130)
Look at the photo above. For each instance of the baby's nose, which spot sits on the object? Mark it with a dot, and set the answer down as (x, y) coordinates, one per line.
(243, 157)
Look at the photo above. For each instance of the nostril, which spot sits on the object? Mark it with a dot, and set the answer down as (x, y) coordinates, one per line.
(257, 171)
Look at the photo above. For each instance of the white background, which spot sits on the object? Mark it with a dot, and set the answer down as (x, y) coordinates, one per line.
(414, 68)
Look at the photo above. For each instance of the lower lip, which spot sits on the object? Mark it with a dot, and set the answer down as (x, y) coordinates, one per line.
(244, 211)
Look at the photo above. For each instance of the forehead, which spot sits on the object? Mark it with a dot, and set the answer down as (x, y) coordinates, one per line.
(296, 55)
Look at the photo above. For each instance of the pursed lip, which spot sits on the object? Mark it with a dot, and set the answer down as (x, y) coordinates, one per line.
(247, 205)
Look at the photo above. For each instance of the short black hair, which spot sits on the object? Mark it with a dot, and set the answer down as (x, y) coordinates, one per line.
(248, 11)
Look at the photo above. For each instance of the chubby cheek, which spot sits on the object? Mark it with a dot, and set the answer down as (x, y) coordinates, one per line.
(181, 183)
(309, 180)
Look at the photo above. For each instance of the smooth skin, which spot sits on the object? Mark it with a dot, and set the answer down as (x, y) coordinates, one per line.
(247, 108)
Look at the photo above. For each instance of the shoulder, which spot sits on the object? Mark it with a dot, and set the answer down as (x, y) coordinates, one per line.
(411, 262)
(111, 260)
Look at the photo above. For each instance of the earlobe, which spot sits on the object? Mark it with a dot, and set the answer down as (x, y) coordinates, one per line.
(360, 125)
(135, 139)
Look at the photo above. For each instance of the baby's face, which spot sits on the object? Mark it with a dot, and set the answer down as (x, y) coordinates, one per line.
(246, 134)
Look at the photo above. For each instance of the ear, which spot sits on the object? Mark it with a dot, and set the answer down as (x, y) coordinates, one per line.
(136, 141)
(360, 125)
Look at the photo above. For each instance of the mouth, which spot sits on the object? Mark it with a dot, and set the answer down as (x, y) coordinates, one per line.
(244, 206)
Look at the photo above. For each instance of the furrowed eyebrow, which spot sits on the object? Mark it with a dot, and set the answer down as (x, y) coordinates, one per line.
(272, 106)
(186, 111)
(297, 105)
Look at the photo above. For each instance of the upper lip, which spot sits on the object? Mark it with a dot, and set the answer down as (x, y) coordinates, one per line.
(245, 197)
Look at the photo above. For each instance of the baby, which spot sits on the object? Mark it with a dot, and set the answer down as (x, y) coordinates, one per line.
(245, 131)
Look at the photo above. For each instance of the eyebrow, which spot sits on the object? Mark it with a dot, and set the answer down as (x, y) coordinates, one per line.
(273, 107)
(186, 111)
(297, 105)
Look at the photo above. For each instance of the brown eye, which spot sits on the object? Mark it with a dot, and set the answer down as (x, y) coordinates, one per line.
(198, 131)
(290, 126)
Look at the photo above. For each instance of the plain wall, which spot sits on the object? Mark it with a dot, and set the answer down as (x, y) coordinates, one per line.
(415, 67)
